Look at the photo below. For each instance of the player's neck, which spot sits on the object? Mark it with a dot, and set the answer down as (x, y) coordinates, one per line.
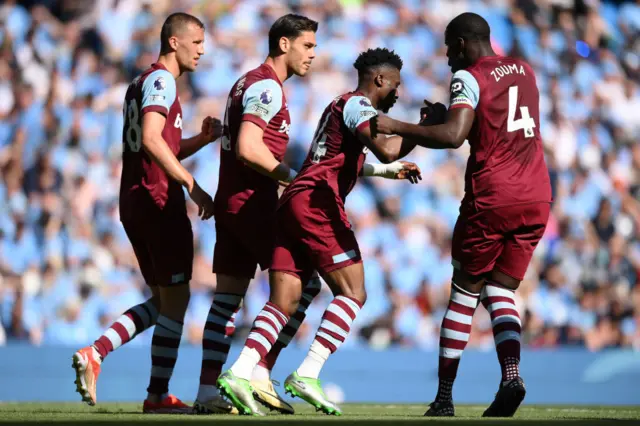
(482, 52)
(170, 64)
(279, 66)
(369, 93)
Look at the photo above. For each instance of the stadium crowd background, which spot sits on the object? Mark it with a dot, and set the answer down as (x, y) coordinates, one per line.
(67, 269)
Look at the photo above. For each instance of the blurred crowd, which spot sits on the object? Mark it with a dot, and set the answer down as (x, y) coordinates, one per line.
(67, 269)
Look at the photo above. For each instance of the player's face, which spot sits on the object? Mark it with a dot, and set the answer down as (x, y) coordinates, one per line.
(301, 53)
(455, 53)
(390, 89)
(189, 47)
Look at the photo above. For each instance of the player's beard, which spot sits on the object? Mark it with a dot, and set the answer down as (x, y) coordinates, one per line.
(388, 102)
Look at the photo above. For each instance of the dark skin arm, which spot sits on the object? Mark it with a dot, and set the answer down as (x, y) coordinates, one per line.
(449, 135)
(386, 149)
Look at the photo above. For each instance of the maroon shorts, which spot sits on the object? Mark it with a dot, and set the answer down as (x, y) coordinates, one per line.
(312, 235)
(163, 244)
(503, 238)
(243, 241)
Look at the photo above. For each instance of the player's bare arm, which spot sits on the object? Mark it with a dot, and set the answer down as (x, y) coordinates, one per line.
(252, 151)
(156, 147)
(210, 132)
(449, 135)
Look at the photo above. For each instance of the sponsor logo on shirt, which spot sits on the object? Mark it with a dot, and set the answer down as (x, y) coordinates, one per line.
(259, 110)
(159, 84)
(265, 96)
(284, 127)
(157, 97)
(367, 113)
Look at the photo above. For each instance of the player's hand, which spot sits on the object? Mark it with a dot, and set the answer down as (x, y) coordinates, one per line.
(203, 200)
(432, 114)
(409, 171)
(211, 128)
(382, 124)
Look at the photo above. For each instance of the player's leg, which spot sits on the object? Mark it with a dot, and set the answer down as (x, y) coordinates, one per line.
(498, 297)
(286, 291)
(234, 267)
(261, 381)
(454, 335)
(87, 361)
(347, 285)
(475, 248)
(171, 248)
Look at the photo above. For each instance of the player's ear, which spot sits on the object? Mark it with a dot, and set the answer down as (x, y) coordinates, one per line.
(379, 80)
(461, 44)
(284, 44)
(173, 42)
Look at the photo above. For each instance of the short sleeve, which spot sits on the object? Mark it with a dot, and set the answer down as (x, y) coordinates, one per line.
(357, 112)
(465, 91)
(261, 102)
(158, 92)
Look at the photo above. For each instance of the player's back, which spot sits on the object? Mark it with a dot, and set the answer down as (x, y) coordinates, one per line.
(143, 181)
(506, 165)
(336, 154)
(257, 97)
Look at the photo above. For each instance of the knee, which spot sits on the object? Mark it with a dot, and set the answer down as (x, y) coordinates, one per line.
(174, 302)
(286, 303)
(359, 294)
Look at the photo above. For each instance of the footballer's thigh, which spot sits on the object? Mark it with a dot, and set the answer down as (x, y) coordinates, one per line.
(290, 268)
(524, 228)
(476, 245)
(172, 251)
(233, 263)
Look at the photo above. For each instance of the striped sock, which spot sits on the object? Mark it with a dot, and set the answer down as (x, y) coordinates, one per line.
(506, 324)
(454, 335)
(164, 352)
(333, 330)
(133, 322)
(216, 339)
(264, 333)
(311, 290)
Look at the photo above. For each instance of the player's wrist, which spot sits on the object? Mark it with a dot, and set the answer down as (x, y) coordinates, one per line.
(291, 176)
(388, 171)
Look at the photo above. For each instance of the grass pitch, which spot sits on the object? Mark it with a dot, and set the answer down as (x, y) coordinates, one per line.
(124, 413)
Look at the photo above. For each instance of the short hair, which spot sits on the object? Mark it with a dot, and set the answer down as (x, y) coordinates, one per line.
(175, 23)
(290, 26)
(374, 58)
(468, 26)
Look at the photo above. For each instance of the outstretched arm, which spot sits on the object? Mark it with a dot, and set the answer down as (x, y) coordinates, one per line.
(454, 126)
(449, 135)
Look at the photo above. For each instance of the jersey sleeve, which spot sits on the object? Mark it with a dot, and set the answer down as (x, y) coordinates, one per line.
(357, 112)
(261, 102)
(465, 91)
(158, 92)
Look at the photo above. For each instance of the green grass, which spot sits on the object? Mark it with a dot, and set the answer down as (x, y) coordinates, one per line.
(124, 413)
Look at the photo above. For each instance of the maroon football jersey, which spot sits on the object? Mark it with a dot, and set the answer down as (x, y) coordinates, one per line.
(256, 97)
(142, 179)
(336, 155)
(506, 166)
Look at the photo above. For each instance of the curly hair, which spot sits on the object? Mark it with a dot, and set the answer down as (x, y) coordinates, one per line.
(374, 58)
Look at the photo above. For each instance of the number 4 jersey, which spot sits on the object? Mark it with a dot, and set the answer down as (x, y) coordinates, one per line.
(143, 181)
(506, 166)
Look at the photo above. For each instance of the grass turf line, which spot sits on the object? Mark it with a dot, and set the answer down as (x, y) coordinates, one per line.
(24, 413)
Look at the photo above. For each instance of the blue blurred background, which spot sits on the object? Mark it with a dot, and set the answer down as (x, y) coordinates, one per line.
(67, 269)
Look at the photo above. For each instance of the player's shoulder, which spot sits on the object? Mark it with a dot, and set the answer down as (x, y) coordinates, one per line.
(157, 79)
(352, 99)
